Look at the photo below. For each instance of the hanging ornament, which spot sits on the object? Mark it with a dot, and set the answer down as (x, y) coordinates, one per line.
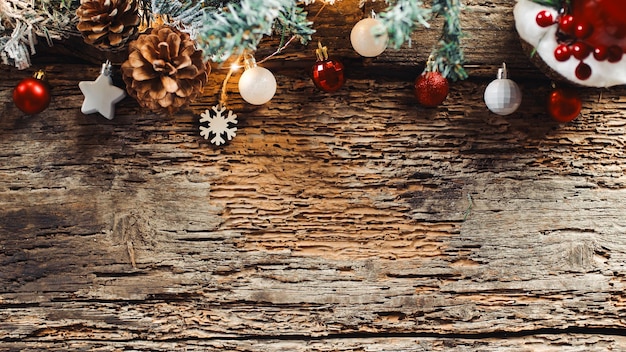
(219, 125)
(431, 88)
(564, 105)
(503, 96)
(32, 94)
(582, 41)
(164, 71)
(101, 95)
(327, 73)
(363, 39)
(257, 85)
(107, 24)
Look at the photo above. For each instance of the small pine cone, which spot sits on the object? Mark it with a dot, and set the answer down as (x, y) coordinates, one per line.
(164, 71)
(108, 24)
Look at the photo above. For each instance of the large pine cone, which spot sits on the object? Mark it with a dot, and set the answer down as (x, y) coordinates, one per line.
(164, 71)
(107, 24)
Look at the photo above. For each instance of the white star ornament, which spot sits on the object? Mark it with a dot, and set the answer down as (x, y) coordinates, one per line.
(101, 95)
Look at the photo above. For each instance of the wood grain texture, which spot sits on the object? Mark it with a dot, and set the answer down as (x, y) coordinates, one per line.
(351, 221)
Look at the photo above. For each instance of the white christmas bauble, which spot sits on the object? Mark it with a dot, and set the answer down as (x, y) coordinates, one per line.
(257, 85)
(503, 96)
(364, 42)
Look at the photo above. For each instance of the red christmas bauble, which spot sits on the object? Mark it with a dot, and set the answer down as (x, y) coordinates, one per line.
(328, 75)
(564, 105)
(431, 89)
(32, 95)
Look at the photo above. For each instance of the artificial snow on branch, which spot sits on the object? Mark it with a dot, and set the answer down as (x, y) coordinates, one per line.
(241, 26)
(186, 16)
(226, 28)
(23, 21)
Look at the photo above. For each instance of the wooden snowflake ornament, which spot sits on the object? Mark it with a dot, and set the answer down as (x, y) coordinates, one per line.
(583, 41)
(219, 125)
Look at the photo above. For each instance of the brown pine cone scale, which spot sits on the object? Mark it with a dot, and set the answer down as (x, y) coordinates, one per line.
(164, 71)
(108, 24)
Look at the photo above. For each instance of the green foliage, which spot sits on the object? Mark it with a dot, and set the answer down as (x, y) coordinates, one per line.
(448, 56)
(557, 4)
(241, 26)
(401, 19)
(186, 15)
(225, 28)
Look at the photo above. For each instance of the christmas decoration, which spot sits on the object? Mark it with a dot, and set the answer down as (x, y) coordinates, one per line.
(23, 21)
(564, 105)
(101, 95)
(257, 84)
(401, 19)
(107, 24)
(164, 71)
(364, 39)
(581, 41)
(32, 94)
(229, 30)
(222, 28)
(327, 73)
(503, 96)
(431, 87)
(219, 125)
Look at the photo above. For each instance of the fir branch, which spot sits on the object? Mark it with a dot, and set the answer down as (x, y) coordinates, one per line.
(241, 26)
(401, 19)
(293, 21)
(22, 22)
(186, 16)
(448, 56)
(557, 4)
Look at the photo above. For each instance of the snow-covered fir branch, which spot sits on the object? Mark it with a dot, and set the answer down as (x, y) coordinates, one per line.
(448, 55)
(241, 26)
(224, 28)
(22, 22)
(403, 17)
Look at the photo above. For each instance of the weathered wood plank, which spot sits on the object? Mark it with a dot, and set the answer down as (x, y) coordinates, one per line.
(544, 342)
(348, 221)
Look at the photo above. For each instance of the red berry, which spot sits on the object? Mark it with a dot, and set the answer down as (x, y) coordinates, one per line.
(562, 53)
(615, 53)
(583, 71)
(431, 89)
(601, 53)
(566, 24)
(580, 50)
(583, 30)
(545, 18)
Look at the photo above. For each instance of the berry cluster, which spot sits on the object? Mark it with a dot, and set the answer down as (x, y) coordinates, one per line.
(577, 38)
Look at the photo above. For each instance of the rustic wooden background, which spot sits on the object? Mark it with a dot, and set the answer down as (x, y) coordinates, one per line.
(347, 221)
